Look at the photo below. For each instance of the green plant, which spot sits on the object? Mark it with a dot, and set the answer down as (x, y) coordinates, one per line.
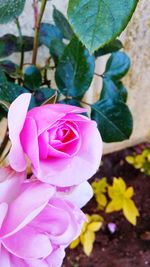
(119, 198)
(141, 161)
(72, 57)
(87, 236)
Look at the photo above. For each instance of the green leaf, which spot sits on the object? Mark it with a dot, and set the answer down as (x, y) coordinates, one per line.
(10, 44)
(3, 113)
(3, 79)
(72, 102)
(10, 9)
(122, 90)
(98, 22)
(10, 91)
(43, 94)
(113, 90)
(9, 67)
(7, 45)
(32, 77)
(40, 96)
(117, 66)
(75, 70)
(111, 47)
(27, 42)
(48, 33)
(56, 50)
(114, 120)
(63, 24)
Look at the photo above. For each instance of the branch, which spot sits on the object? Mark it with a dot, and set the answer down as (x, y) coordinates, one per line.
(21, 43)
(37, 28)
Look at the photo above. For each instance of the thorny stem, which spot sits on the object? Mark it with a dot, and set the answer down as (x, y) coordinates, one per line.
(37, 28)
(21, 43)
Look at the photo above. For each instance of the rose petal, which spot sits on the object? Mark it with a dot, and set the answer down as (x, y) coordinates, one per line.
(26, 207)
(5, 258)
(75, 219)
(75, 170)
(73, 193)
(29, 141)
(28, 244)
(10, 183)
(56, 258)
(16, 117)
(47, 115)
(3, 212)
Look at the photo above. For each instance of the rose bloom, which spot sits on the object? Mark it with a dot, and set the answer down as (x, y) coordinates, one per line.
(63, 146)
(35, 225)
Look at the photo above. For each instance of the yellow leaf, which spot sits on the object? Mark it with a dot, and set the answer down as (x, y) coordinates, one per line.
(94, 226)
(119, 184)
(114, 206)
(100, 186)
(130, 159)
(84, 227)
(130, 211)
(88, 217)
(96, 217)
(88, 241)
(75, 243)
(148, 157)
(129, 192)
(101, 200)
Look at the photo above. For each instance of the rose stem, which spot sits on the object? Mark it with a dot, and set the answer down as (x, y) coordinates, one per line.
(37, 28)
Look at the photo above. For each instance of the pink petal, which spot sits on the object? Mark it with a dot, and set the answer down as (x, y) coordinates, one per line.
(75, 219)
(18, 262)
(47, 115)
(36, 263)
(29, 141)
(56, 258)
(73, 193)
(26, 207)
(5, 260)
(3, 212)
(74, 170)
(54, 221)
(16, 117)
(28, 244)
(10, 184)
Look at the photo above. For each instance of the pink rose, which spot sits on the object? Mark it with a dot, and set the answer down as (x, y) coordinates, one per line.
(79, 195)
(63, 146)
(35, 225)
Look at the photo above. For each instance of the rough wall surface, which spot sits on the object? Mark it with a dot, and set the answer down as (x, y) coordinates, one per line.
(136, 40)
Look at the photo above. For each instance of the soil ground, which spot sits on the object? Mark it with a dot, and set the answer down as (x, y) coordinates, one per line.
(129, 246)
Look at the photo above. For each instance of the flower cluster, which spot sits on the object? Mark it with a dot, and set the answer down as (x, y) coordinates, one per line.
(41, 215)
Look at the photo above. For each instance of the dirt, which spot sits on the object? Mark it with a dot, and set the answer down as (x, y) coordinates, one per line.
(129, 246)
